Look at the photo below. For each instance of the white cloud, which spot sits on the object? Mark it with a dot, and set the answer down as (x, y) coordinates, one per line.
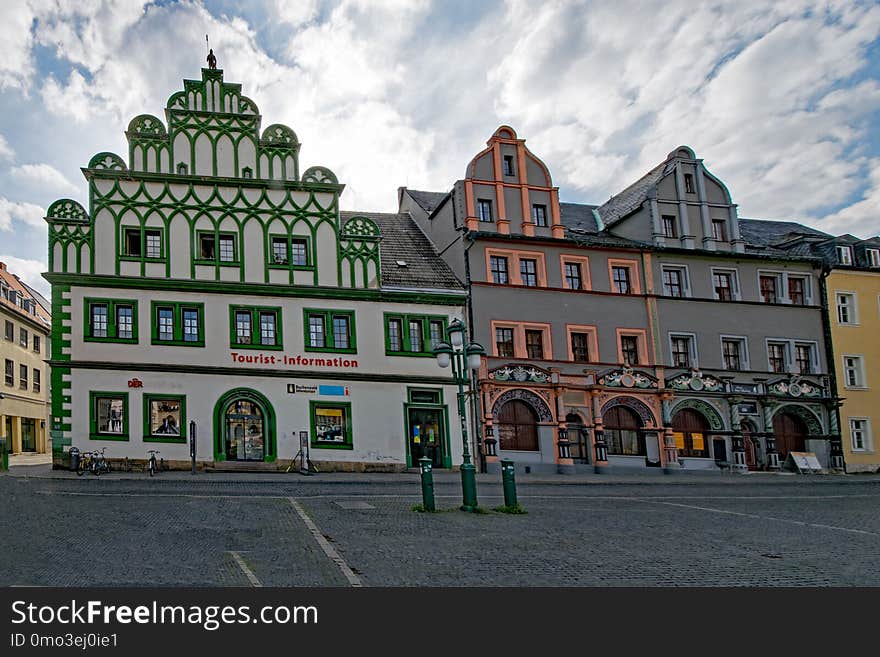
(29, 271)
(44, 177)
(16, 64)
(6, 152)
(26, 213)
(861, 218)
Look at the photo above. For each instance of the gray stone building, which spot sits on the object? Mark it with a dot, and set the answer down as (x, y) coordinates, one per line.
(658, 329)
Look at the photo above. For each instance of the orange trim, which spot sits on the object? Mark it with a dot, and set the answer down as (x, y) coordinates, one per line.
(513, 265)
(592, 340)
(557, 229)
(584, 262)
(634, 278)
(643, 344)
(519, 338)
(469, 202)
(537, 188)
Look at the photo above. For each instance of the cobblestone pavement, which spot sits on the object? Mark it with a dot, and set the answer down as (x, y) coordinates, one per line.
(239, 532)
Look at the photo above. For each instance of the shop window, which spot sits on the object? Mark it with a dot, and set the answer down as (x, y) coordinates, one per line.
(517, 427)
(165, 418)
(413, 335)
(110, 320)
(217, 248)
(256, 327)
(690, 429)
(623, 431)
(178, 323)
(331, 425)
(330, 331)
(108, 415)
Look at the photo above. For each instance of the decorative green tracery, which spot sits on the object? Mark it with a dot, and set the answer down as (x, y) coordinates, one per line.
(806, 415)
(713, 417)
(109, 161)
(358, 249)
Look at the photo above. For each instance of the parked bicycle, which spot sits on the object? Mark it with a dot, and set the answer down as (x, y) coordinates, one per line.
(152, 465)
(100, 463)
(84, 464)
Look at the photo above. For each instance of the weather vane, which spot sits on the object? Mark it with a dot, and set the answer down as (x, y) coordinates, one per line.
(212, 60)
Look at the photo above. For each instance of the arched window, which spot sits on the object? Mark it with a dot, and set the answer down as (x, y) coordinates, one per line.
(790, 433)
(182, 169)
(623, 432)
(689, 428)
(244, 431)
(517, 427)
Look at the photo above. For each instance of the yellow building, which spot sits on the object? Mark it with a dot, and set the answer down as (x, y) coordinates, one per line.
(853, 286)
(24, 348)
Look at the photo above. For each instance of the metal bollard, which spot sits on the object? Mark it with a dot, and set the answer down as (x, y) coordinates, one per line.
(508, 482)
(4, 456)
(426, 470)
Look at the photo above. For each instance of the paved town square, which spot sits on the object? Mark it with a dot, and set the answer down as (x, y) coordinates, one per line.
(346, 530)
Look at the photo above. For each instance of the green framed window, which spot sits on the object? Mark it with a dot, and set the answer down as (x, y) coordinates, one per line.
(143, 243)
(424, 395)
(413, 335)
(329, 330)
(110, 320)
(331, 425)
(290, 252)
(255, 327)
(164, 418)
(108, 415)
(178, 323)
(217, 247)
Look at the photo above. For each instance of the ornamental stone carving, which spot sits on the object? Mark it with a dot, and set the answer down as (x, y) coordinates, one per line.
(697, 381)
(520, 374)
(637, 405)
(713, 417)
(107, 161)
(627, 378)
(795, 387)
(538, 405)
(68, 209)
(319, 175)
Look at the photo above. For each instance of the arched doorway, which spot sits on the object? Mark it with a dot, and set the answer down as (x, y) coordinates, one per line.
(690, 429)
(244, 427)
(750, 443)
(517, 426)
(577, 436)
(790, 432)
(623, 432)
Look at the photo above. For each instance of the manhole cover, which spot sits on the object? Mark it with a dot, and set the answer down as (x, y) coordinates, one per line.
(359, 506)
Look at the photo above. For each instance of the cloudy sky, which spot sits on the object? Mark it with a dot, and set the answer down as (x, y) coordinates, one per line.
(780, 98)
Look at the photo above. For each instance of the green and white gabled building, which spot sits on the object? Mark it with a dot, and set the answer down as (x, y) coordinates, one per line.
(211, 280)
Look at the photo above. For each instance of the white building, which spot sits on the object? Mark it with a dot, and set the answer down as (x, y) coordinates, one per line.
(211, 281)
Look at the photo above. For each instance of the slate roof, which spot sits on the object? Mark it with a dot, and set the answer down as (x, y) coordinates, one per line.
(403, 240)
(578, 216)
(626, 202)
(428, 201)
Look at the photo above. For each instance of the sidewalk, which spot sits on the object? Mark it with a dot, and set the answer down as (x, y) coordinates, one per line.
(44, 471)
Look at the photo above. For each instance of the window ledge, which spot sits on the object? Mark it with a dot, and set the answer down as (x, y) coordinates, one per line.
(101, 436)
(263, 347)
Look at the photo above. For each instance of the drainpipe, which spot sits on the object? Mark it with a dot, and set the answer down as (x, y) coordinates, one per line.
(837, 458)
(476, 411)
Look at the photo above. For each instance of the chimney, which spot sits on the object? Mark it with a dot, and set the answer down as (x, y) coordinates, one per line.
(2, 266)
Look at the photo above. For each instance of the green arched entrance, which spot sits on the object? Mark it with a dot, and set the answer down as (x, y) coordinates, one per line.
(244, 427)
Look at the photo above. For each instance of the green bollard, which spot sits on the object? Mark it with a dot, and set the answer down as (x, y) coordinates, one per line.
(4, 456)
(426, 470)
(509, 483)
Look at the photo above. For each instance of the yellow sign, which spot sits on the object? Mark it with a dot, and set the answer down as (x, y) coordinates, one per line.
(679, 439)
(330, 412)
(698, 443)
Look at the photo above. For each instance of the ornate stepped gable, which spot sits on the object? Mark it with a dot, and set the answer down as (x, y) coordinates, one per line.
(212, 170)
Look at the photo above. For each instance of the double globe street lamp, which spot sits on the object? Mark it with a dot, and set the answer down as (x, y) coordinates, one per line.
(463, 359)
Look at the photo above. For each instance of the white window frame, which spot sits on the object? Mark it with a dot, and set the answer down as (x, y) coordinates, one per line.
(854, 307)
(685, 279)
(844, 254)
(863, 383)
(814, 355)
(780, 284)
(736, 290)
(692, 347)
(786, 354)
(808, 287)
(867, 439)
(744, 353)
(872, 256)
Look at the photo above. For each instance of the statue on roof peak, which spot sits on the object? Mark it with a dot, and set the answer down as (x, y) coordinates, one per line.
(212, 60)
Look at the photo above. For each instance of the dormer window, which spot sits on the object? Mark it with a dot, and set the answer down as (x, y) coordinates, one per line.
(719, 230)
(539, 215)
(182, 169)
(873, 257)
(844, 255)
(508, 166)
(689, 183)
(670, 228)
(484, 210)
(247, 172)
